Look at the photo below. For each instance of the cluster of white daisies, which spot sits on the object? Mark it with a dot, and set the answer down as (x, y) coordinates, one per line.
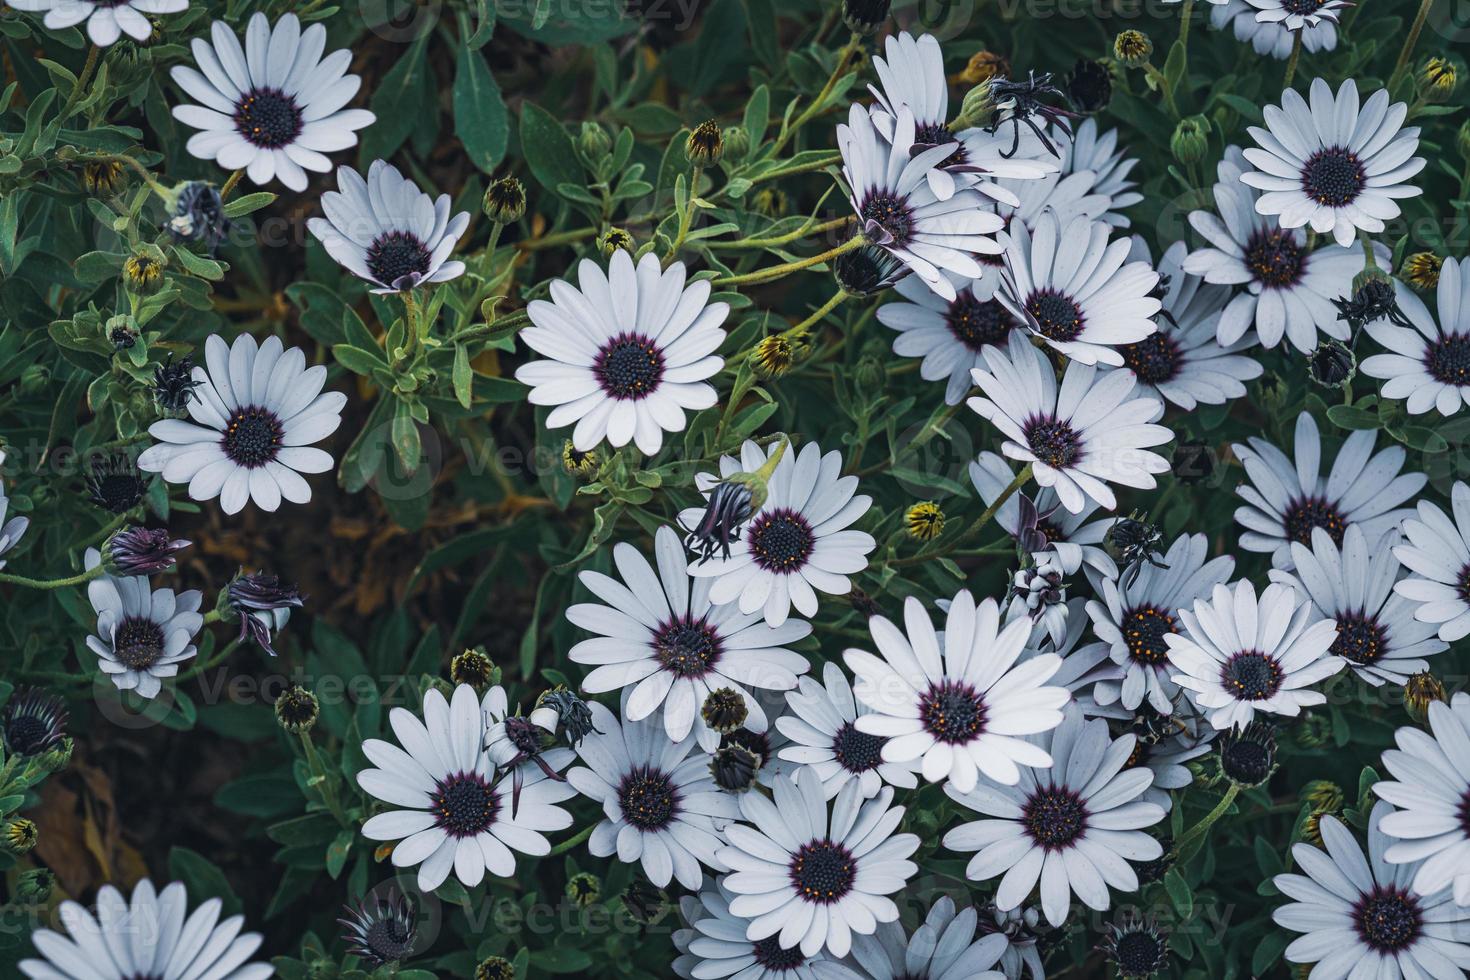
(771, 795)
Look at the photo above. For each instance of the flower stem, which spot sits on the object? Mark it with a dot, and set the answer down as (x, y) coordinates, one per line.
(806, 229)
(1296, 53)
(799, 331)
(974, 529)
(229, 188)
(687, 218)
(816, 104)
(1201, 828)
(82, 80)
(1407, 51)
(1184, 18)
(777, 271)
(575, 840)
(821, 163)
(52, 583)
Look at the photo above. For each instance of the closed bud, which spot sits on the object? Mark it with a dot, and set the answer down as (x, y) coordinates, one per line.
(706, 144)
(584, 889)
(1420, 691)
(297, 709)
(102, 177)
(976, 106)
(34, 378)
(870, 373)
(143, 274)
(612, 240)
(865, 16)
(1421, 270)
(737, 143)
(924, 521)
(20, 835)
(122, 333)
(581, 463)
(495, 968)
(775, 355)
(771, 202)
(1191, 139)
(1437, 79)
(33, 887)
(594, 142)
(504, 201)
(1133, 48)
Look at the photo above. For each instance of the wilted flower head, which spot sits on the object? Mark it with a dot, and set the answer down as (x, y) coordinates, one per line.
(174, 384)
(1041, 588)
(724, 710)
(1375, 299)
(730, 505)
(198, 215)
(297, 709)
(141, 551)
(1332, 364)
(1135, 947)
(1248, 756)
(734, 767)
(115, 483)
(473, 667)
(1133, 542)
(33, 722)
(867, 270)
(573, 717)
(865, 16)
(263, 604)
(1089, 86)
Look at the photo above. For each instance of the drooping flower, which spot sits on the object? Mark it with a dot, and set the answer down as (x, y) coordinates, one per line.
(263, 603)
(141, 551)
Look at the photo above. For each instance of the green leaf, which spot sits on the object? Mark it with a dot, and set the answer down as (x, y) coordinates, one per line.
(480, 119)
(1179, 893)
(248, 204)
(357, 360)
(548, 149)
(399, 101)
(463, 377)
(202, 879)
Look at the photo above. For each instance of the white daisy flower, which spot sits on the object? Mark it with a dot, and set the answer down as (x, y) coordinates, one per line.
(1072, 535)
(388, 232)
(1091, 151)
(142, 634)
(1377, 633)
(943, 947)
(1430, 368)
(107, 20)
(274, 107)
(799, 541)
(959, 701)
(713, 946)
(1073, 827)
(1333, 165)
(13, 530)
(811, 881)
(1431, 788)
(1438, 554)
(1079, 436)
(150, 935)
(1133, 622)
(1071, 287)
(949, 334)
(451, 812)
(1284, 501)
(662, 639)
(256, 412)
(1239, 655)
(899, 209)
(1360, 918)
(826, 742)
(1271, 38)
(1288, 288)
(660, 806)
(1183, 362)
(628, 352)
(1295, 16)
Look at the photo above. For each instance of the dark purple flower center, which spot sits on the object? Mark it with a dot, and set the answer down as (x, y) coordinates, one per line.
(1154, 359)
(822, 871)
(1360, 639)
(397, 256)
(687, 647)
(630, 366)
(1054, 818)
(648, 799)
(253, 436)
(953, 712)
(1251, 676)
(1388, 920)
(1309, 513)
(1144, 629)
(1054, 442)
(977, 324)
(1302, 8)
(781, 540)
(268, 118)
(1056, 316)
(769, 954)
(857, 751)
(892, 216)
(1333, 176)
(1274, 258)
(1448, 360)
(138, 642)
(465, 804)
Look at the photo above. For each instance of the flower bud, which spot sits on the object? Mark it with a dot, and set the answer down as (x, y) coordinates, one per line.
(505, 201)
(1421, 270)
(774, 355)
(473, 667)
(737, 143)
(33, 887)
(1332, 364)
(20, 835)
(102, 177)
(865, 16)
(579, 463)
(495, 968)
(983, 66)
(1437, 80)
(584, 889)
(1191, 140)
(924, 521)
(143, 275)
(297, 709)
(706, 144)
(594, 142)
(612, 240)
(1133, 48)
(1422, 690)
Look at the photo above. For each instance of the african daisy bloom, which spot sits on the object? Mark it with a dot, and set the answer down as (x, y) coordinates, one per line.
(899, 209)
(1134, 620)
(1431, 788)
(1271, 37)
(386, 231)
(811, 877)
(662, 639)
(1289, 287)
(1296, 16)
(713, 945)
(1078, 436)
(959, 704)
(451, 810)
(142, 634)
(1286, 499)
(944, 946)
(1429, 366)
(800, 542)
(1438, 555)
(1239, 654)
(660, 807)
(255, 413)
(274, 107)
(949, 334)
(107, 20)
(1359, 916)
(1092, 152)
(149, 935)
(1334, 165)
(1182, 362)
(1070, 286)
(827, 744)
(1073, 828)
(1377, 633)
(627, 352)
